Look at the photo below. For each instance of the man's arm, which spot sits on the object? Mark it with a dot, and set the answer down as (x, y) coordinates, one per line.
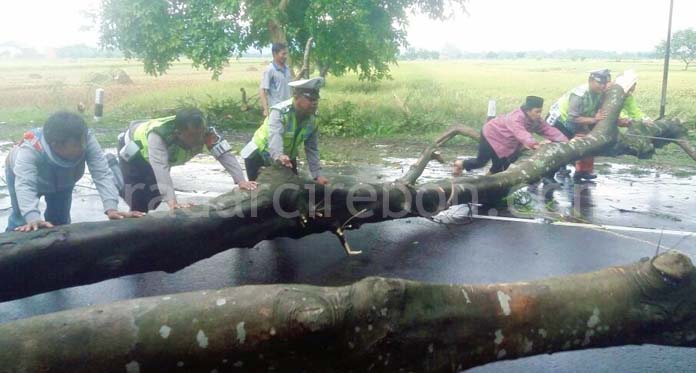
(575, 112)
(159, 160)
(229, 161)
(263, 91)
(551, 133)
(312, 152)
(516, 125)
(26, 176)
(275, 134)
(101, 174)
(263, 95)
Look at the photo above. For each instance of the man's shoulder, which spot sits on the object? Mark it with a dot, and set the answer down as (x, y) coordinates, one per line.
(284, 106)
(270, 68)
(580, 90)
(516, 115)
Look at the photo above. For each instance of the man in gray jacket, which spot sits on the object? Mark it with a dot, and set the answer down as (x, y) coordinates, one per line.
(48, 162)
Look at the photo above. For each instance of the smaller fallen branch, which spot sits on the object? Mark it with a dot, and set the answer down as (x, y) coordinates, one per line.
(430, 153)
(641, 140)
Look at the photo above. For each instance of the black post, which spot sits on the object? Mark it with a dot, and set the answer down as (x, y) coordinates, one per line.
(665, 71)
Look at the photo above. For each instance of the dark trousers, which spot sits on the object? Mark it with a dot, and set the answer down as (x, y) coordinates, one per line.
(254, 163)
(485, 154)
(140, 191)
(584, 165)
(564, 130)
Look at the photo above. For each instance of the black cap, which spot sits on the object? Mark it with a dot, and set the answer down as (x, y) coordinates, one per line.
(533, 102)
(601, 76)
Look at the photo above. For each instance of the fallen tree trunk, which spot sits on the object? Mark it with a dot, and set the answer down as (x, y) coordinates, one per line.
(285, 205)
(376, 324)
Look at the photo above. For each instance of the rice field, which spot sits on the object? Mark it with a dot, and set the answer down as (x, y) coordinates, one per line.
(421, 99)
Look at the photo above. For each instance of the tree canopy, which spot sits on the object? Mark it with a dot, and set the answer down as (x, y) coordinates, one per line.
(683, 46)
(363, 36)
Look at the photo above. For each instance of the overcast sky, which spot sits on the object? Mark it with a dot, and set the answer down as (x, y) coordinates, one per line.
(614, 25)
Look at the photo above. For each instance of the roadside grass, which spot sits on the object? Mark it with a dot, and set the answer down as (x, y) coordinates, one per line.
(420, 100)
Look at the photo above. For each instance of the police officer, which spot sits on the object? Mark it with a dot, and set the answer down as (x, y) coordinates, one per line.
(289, 125)
(149, 148)
(577, 112)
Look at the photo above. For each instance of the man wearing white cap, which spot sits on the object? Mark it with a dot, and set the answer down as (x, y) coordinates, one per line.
(630, 113)
(288, 125)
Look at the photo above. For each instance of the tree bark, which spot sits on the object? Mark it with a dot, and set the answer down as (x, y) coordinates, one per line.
(304, 71)
(376, 324)
(323, 68)
(86, 253)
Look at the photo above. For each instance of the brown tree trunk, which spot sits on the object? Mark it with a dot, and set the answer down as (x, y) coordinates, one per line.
(85, 253)
(323, 69)
(304, 71)
(376, 324)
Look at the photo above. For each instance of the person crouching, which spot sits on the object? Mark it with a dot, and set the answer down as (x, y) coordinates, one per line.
(48, 162)
(502, 138)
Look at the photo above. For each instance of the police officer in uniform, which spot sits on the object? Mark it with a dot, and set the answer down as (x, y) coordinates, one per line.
(149, 148)
(577, 112)
(289, 125)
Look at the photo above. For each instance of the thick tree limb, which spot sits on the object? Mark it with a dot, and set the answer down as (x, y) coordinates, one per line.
(85, 253)
(641, 139)
(376, 324)
(686, 146)
(304, 72)
(430, 153)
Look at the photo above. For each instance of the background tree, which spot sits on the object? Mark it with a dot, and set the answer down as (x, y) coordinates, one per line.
(683, 46)
(363, 36)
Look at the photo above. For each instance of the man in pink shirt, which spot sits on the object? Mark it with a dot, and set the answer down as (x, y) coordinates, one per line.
(503, 137)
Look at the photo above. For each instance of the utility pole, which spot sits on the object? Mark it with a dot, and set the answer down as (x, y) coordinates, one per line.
(665, 70)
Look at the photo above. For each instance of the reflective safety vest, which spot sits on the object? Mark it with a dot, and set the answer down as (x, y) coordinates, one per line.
(631, 110)
(294, 134)
(590, 104)
(164, 127)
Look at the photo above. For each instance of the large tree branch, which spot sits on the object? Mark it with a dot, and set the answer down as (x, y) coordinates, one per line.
(304, 72)
(85, 253)
(642, 139)
(376, 324)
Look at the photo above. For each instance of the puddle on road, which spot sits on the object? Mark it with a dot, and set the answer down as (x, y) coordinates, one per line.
(622, 195)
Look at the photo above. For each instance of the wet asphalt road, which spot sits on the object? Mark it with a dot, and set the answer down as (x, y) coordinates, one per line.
(419, 249)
